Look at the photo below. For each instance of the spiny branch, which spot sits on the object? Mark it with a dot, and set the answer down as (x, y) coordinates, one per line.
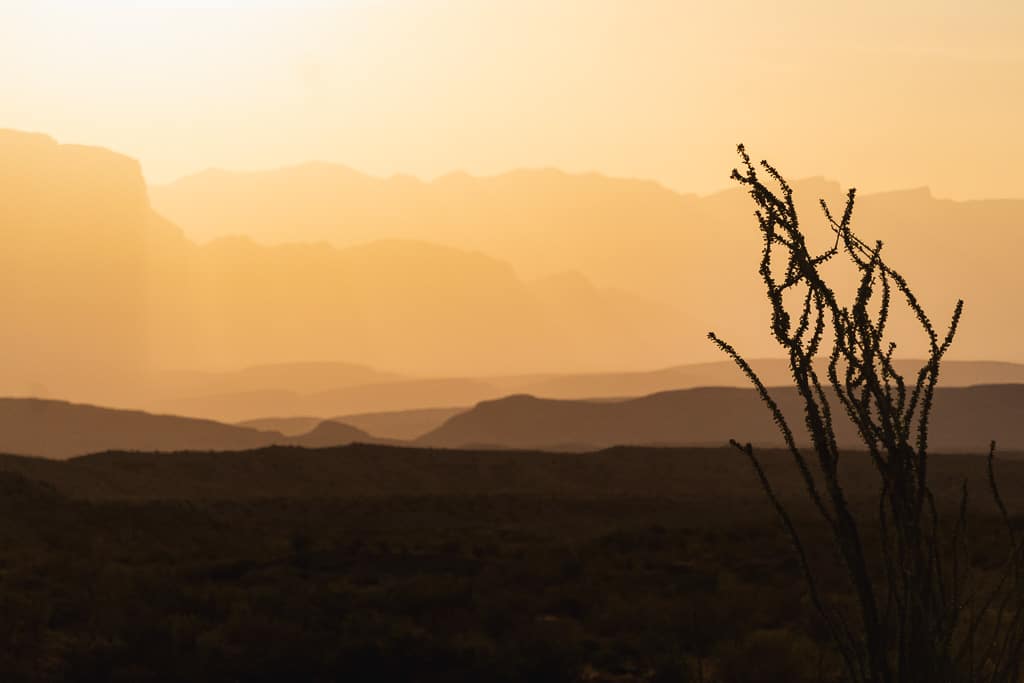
(932, 614)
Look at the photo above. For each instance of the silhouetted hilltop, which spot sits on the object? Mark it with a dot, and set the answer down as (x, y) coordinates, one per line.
(289, 426)
(401, 424)
(57, 429)
(691, 417)
(330, 433)
(964, 420)
(773, 372)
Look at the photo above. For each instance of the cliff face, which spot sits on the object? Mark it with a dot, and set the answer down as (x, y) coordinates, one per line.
(72, 265)
(97, 291)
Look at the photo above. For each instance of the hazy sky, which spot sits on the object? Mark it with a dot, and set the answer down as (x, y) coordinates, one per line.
(878, 94)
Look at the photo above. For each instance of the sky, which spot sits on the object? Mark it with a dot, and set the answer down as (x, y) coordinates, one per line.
(883, 95)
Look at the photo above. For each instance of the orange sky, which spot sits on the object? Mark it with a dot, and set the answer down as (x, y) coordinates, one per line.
(926, 93)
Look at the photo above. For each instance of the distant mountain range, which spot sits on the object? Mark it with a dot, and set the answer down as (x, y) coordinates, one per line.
(697, 254)
(83, 250)
(60, 430)
(461, 289)
(276, 392)
(399, 395)
(964, 420)
(401, 425)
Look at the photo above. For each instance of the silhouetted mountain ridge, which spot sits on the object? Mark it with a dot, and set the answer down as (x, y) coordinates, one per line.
(60, 430)
(964, 420)
(636, 236)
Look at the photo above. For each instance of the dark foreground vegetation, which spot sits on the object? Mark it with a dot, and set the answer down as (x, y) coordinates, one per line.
(625, 565)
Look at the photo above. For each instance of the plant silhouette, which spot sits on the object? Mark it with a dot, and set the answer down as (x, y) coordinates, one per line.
(922, 610)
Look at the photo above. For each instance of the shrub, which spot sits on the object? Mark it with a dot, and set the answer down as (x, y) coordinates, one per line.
(920, 613)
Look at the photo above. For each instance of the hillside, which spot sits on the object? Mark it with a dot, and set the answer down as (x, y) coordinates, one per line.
(330, 433)
(964, 420)
(403, 424)
(772, 371)
(288, 426)
(57, 429)
(61, 430)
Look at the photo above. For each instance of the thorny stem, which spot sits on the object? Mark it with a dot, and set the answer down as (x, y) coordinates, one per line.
(931, 614)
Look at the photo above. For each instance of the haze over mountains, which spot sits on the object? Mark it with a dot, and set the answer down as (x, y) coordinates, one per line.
(98, 285)
(596, 418)
(262, 392)
(965, 419)
(696, 254)
(316, 291)
(359, 392)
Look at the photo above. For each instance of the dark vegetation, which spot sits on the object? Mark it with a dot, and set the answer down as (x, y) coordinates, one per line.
(629, 564)
(914, 608)
(372, 563)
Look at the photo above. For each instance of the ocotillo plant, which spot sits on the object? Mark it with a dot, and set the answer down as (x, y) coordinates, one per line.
(921, 611)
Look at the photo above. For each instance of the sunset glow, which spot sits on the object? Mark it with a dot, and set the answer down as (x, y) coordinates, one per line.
(546, 341)
(919, 93)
